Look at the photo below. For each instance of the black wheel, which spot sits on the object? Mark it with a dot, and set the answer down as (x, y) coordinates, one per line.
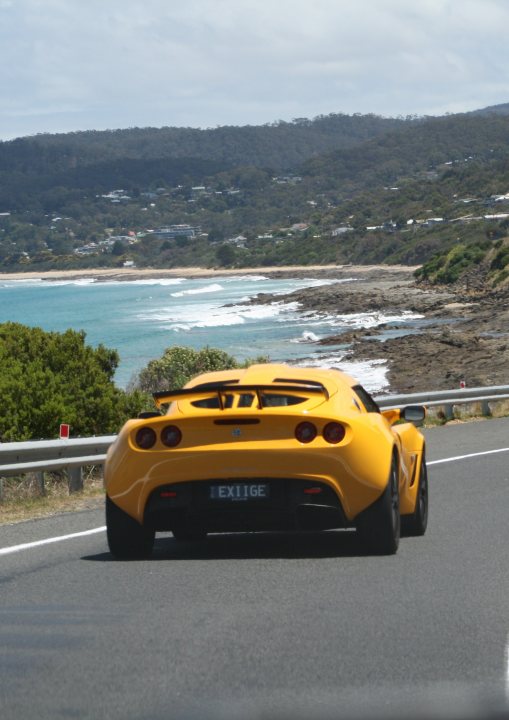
(416, 523)
(379, 525)
(127, 539)
(189, 534)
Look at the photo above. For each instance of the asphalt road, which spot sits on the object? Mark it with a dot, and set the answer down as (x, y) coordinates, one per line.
(281, 626)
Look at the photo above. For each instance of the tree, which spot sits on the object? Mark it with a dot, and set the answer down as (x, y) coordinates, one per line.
(48, 378)
(226, 255)
(118, 248)
(179, 364)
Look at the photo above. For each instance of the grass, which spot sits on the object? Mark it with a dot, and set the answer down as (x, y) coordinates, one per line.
(466, 412)
(22, 498)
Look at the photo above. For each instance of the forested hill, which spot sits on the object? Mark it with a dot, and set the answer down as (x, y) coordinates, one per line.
(280, 145)
(416, 147)
(502, 109)
(337, 188)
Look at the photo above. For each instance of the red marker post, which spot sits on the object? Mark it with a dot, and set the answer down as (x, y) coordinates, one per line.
(64, 431)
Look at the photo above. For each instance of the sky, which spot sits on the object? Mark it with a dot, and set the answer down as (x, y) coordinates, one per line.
(69, 65)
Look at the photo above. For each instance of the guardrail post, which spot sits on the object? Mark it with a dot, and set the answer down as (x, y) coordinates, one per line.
(40, 480)
(75, 475)
(448, 411)
(485, 408)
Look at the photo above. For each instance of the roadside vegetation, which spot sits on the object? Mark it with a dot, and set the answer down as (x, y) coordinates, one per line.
(41, 494)
(179, 364)
(50, 378)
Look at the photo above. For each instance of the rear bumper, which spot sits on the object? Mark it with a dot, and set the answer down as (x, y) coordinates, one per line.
(355, 476)
(287, 507)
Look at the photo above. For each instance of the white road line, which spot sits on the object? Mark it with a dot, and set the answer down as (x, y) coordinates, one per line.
(47, 541)
(464, 457)
(507, 669)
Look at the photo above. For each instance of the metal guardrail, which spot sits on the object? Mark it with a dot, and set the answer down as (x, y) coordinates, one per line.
(446, 397)
(17, 458)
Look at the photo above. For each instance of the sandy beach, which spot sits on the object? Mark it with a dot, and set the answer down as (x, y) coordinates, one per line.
(105, 274)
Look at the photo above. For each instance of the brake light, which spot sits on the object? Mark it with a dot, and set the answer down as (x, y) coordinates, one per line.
(313, 491)
(168, 494)
(145, 438)
(171, 436)
(305, 432)
(334, 432)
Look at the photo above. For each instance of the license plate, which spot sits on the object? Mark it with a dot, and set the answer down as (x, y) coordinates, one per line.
(240, 492)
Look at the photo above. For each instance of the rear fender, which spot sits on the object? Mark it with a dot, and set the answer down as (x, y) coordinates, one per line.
(411, 448)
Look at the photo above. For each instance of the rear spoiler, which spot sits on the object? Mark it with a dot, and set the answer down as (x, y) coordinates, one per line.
(220, 389)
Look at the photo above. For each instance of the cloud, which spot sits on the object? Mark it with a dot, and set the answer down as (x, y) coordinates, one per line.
(70, 65)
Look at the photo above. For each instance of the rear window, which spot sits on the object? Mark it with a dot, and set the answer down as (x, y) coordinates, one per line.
(279, 400)
(246, 400)
(366, 399)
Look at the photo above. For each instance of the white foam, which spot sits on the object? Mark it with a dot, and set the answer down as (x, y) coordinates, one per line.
(215, 287)
(364, 320)
(306, 337)
(155, 281)
(42, 282)
(84, 281)
(185, 318)
(372, 374)
(244, 278)
(23, 281)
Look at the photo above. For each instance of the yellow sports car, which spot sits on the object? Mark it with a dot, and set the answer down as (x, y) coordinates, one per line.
(267, 448)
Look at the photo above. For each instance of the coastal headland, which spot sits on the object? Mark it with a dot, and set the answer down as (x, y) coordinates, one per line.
(463, 336)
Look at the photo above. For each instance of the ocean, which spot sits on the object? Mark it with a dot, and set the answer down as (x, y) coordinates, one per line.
(141, 318)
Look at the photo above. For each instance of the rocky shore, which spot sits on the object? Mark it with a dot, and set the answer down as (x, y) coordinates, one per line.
(463, 336)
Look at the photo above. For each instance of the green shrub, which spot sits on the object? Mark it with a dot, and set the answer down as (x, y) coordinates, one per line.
(446, 268)
(50, 378)
(501, 259)
(179, 364)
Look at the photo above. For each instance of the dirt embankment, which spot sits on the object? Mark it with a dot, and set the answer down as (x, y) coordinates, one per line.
(464, 335)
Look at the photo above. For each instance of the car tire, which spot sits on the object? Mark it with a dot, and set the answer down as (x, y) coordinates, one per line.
(127, 539)
(414, 525)
(379, 526)
(185, 534)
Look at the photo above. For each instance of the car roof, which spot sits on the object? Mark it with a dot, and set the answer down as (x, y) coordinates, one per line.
(267, 373)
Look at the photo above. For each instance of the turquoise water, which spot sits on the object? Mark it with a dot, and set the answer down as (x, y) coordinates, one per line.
(141, 318)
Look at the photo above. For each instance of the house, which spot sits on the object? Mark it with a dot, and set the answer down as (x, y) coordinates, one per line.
(341, 230)
(497, 216)
(173, 231)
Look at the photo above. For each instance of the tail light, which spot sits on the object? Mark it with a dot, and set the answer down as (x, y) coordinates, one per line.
(171, 436)
(305, 432)
(334, 432)
(145, 438)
